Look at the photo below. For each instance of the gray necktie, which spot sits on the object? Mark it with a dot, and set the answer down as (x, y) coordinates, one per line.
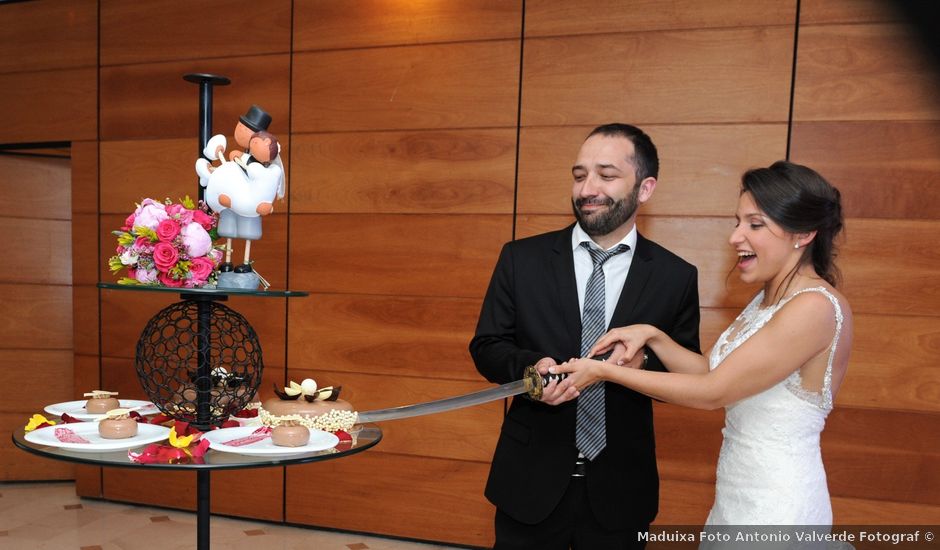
(591, 433)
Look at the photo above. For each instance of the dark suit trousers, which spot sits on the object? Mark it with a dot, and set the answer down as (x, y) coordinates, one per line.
(570, 525)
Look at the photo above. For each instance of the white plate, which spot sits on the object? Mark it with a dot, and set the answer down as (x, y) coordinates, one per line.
(319, 441)
(146, 433)
(77, 410)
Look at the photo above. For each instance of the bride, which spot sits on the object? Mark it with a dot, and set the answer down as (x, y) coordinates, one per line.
(775, 369)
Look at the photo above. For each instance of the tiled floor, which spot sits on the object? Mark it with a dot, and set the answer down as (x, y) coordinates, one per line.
(49, 516)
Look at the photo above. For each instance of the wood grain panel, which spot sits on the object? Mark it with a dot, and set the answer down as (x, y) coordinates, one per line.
(159, 169)
(43, 252)
(32, 379)
(268, 254)
(903, 280)
(460, 171)
(84, 172)
(863, 72)
(85, 315)
(171, 108)
(35, 188)
(400, 336)
(461, 85)
(420, 488)
(48, 35)
(684, 502)
(84, 249)
(125, 314)
(847, 11)
(36, 317)
(855, 511)
(55, 105)
(428, 436)
(254, 493)
(884, 169)
(168, 30)
(452, 258)
(700, 166)
(88, 481)
(687, 442)
(86, 376)
(894, 364)
(18, 465)
(326, 24)
(548, 17)
(739, 75)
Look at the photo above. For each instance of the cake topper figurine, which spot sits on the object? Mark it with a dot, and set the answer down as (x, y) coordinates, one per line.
(242, 189)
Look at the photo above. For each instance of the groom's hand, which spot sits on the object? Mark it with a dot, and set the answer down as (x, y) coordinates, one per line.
(551, 393)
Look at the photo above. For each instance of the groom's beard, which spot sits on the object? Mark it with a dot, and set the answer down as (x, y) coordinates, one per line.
(603, 223)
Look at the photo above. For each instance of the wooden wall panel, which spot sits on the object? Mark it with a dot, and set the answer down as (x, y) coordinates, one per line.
(458, 171)
(383, 257)
(171, 108)
(48, 35)
(884, 169)
(36, 317)
(550, 17)
(461, 85)
(31, 379)
(84, 175)
(42, 243)
(846, 11)
(700, 166)
(862, 72)
(740, 75)
(424, 337)
(45, 197)
(326, 24)
(167, 30)
(58, 105)
(420, 488)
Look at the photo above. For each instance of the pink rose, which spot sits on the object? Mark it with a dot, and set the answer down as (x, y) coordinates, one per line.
(166, 280)
(165, 256)
(174, 210)
(129, 223)
(200, 269)
(196, 241)
(203, 219)
(143, 245)
(150, 214)
(167, 230)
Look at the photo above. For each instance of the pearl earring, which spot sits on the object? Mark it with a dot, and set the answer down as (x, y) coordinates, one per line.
(796, 245)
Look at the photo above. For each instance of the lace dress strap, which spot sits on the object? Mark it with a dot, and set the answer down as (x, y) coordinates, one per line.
(826, 393)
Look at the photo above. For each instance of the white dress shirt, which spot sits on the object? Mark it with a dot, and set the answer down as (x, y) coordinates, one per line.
(615, 269)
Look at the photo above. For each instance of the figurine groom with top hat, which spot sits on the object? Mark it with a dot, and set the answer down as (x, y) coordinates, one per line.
(254, 176)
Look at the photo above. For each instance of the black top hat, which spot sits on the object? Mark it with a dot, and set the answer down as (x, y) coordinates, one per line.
(256, 118)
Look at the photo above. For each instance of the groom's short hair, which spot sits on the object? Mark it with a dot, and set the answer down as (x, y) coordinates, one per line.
(646, 158)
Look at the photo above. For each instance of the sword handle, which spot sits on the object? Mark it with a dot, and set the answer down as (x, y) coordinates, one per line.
(535, 382)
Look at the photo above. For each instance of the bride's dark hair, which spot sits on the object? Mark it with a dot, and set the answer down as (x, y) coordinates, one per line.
(799, 200)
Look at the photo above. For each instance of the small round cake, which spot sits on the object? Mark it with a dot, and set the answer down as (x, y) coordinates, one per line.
(101, 401)
(117, 425)
(290, 434)
(309, 406)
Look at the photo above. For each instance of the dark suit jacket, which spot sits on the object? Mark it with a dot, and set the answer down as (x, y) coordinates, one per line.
(531, 311)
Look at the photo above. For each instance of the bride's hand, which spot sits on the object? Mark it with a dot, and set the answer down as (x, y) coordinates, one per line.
(581, 374)
(623, 342)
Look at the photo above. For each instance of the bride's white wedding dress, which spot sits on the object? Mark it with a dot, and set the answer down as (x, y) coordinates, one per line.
(770, 469)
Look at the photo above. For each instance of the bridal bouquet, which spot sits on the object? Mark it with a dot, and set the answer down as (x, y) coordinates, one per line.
(168, 244)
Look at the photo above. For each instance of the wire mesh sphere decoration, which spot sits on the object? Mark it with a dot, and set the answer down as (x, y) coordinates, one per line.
(168, 362)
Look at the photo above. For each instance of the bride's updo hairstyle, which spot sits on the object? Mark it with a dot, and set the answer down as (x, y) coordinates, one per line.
(800, 201)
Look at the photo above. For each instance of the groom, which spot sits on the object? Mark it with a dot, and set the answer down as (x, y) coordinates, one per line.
(582, 475)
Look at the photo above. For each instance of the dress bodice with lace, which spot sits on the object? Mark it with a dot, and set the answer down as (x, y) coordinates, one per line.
(770, 469)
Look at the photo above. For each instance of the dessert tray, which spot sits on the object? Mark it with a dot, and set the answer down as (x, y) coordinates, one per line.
(219, 439)
(146, 433)
(76, 409)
